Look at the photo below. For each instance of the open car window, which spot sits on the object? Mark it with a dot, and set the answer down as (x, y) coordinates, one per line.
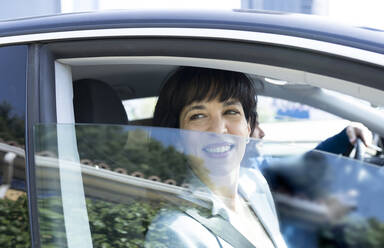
(140, 108)
(123, 185)
(130, 186)
(292, 121)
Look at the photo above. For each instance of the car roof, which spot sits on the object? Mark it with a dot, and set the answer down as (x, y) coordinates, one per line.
(298, 25)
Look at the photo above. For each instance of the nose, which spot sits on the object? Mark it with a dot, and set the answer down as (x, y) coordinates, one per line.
(218, 125)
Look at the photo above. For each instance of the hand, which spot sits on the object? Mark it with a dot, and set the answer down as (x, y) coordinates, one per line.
(357, 130)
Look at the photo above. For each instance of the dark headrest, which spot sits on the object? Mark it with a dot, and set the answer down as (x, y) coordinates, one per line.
(96, 102)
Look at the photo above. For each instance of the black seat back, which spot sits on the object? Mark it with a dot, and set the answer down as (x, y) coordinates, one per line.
(95, 101)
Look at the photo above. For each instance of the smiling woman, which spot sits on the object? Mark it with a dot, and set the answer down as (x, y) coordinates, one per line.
(218, 102)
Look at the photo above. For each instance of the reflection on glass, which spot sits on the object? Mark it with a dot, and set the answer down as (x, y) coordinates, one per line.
(14, 220)
(326, 200)
(11, 125)
(215, 160)
(12, 154)
(141, 183)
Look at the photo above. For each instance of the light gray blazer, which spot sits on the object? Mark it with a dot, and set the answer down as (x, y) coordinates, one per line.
(255, 189)
(174, 228)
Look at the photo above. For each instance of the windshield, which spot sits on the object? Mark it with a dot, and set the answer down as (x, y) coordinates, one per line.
(131, 186)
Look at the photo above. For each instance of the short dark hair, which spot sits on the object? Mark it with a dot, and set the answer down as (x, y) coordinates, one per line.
(189, 84)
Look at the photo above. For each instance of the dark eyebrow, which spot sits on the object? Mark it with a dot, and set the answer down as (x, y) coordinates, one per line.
(232, 102)
(194, 107)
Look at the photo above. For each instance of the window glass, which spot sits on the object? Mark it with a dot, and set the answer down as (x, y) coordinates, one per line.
(287, 121)
(129, 186)
(140, 108)
(14, 221)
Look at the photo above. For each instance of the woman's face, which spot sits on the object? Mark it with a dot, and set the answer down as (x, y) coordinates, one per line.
(218, 154)
(217, 117)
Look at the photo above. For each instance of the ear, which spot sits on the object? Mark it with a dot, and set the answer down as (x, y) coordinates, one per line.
(249, 129)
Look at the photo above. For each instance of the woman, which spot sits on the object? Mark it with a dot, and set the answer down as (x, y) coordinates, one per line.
(222, 105)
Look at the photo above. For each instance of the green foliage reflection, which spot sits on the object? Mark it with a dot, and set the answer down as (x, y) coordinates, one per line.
(354, 233)
(132, 150)
(112, 224)
(125, 225)
(11, 126)
(14, 223)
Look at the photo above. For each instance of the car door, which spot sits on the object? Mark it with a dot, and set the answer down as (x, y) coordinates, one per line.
(78, 163)
(14, 220)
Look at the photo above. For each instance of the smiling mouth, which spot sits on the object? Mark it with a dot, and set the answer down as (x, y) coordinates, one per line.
(218, 150)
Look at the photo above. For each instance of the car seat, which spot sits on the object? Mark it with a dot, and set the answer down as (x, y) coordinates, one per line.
(95, 101)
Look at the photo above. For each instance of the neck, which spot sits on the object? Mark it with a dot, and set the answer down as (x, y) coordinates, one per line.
(224, 186)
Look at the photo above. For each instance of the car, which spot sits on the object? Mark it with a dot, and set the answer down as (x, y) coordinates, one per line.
(83, 165)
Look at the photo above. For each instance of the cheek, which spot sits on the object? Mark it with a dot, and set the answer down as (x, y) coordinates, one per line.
(240, 128)
(193, 127)
(182, 124)
(198, 125)
(191, 144)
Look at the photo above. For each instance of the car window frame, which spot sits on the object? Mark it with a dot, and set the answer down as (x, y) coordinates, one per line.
(42, 92)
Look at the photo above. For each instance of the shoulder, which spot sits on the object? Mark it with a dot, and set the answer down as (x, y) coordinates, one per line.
(254, 179)
(255, 189)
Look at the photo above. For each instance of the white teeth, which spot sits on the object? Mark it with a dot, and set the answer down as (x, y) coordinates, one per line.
(219, 149)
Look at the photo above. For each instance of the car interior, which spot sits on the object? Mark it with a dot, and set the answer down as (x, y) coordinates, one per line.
(137, 80)
(91, 92)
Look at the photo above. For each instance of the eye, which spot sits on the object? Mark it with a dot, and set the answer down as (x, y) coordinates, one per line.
(196, 116)
(232, 112)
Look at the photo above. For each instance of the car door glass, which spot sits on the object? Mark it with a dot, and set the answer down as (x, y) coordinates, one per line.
(139, 183)
(14, 219)
(134, 178)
